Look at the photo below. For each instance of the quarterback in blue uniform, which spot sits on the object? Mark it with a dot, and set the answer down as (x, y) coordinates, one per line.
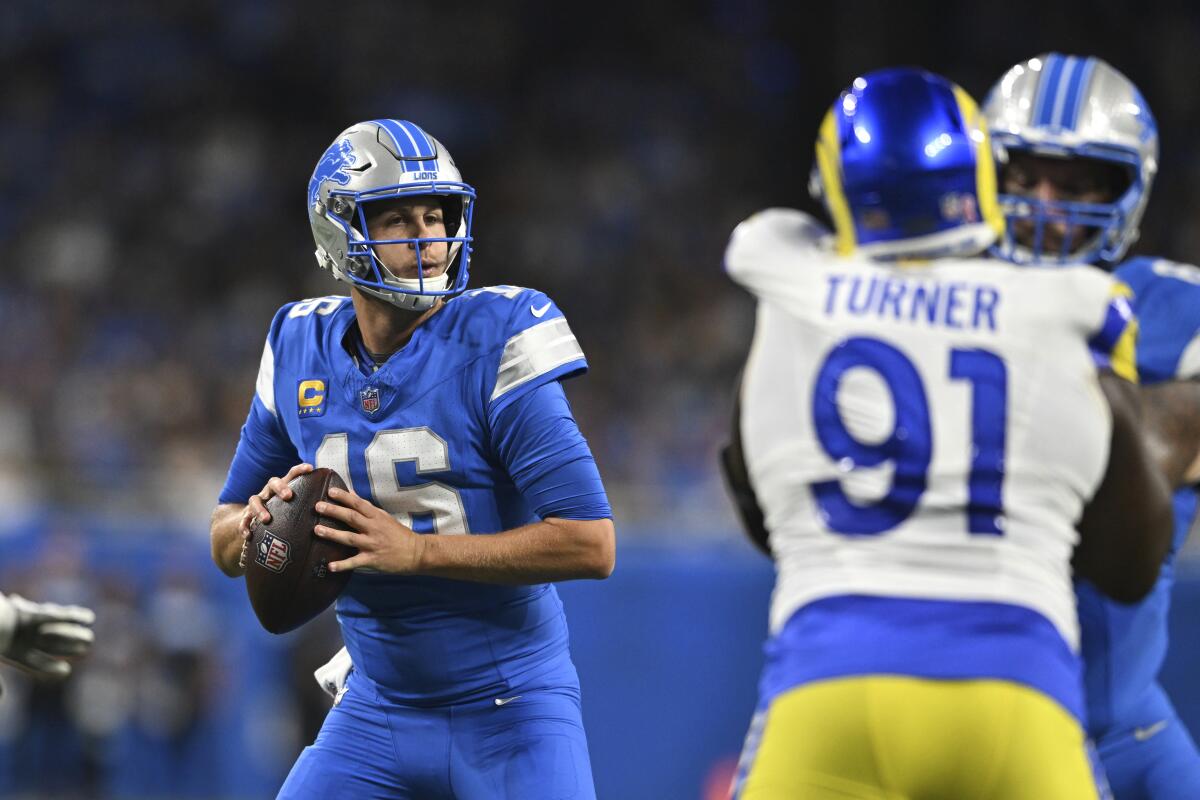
(1083, 152)
(442, 410)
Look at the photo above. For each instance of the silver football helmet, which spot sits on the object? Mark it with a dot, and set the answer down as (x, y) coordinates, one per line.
(1075, 107)
(384, 159)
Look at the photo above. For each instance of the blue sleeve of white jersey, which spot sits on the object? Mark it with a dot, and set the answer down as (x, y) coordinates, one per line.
(1167, 301)
(263, 452)
(1114, 345)
(540, 444)
(539, 349)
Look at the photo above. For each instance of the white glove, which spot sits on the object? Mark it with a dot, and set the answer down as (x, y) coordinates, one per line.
(333, 674)
(37, 637)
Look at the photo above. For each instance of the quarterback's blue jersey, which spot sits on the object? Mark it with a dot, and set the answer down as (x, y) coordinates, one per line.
(465, 430)
(1124, 645)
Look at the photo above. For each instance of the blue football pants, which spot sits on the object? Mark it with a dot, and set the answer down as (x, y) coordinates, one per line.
(530, 746)
(1156, 760)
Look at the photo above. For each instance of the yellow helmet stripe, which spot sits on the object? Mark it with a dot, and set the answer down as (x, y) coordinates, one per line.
(985, 166)
(829, 162)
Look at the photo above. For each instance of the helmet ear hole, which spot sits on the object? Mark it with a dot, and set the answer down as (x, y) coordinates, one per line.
(1121, 177)
(340, 207)
(452, 211)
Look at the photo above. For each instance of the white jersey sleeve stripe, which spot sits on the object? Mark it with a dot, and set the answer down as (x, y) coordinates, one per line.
(264, 387)
(535, 351)
(1189, 362)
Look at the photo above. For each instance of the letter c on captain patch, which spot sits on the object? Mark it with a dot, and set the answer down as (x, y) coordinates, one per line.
(310, 396)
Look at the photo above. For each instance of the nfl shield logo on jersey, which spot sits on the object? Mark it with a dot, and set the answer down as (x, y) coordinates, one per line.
(369, 397)
(273, 553)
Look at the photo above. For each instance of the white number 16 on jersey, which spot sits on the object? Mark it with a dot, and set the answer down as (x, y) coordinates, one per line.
(421, 445)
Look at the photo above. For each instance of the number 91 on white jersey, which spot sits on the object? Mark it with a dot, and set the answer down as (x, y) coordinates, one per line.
(924, 431)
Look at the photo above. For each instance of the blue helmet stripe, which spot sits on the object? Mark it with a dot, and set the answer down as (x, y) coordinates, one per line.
(422, 142)
(1068, 91)
(411, 142)
(1042, 87)
(1048, 89)
(431, 147)
(1070, 71)
(1078, 92)
(389, 125)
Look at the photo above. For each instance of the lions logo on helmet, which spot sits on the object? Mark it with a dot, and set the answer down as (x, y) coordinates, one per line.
(904, 166)
(385, 159)
(332, 167)
(1072, 107)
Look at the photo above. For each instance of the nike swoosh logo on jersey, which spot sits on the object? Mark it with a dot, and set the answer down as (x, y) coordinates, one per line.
(538, 312)
(1142, 734)
(503, 701)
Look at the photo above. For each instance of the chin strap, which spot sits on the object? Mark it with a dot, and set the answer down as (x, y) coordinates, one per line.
(437, 283)
(408, 299)
(406, 302)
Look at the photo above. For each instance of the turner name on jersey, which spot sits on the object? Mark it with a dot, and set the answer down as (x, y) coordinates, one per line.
(956, 305)
(880, 400)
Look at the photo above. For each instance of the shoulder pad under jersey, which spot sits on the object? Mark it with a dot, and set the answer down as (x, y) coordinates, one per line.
(528, 335)
(1166, 298)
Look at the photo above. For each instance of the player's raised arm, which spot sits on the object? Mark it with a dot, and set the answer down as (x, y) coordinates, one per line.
(1126, 528)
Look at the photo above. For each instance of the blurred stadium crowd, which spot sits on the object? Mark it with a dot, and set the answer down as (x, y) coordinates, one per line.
(155, 159)
(152, 217)
(183, 696)
(157, 221)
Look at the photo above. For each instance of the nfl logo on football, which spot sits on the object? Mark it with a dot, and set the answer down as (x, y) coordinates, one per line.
(369, 397)
(273, 553)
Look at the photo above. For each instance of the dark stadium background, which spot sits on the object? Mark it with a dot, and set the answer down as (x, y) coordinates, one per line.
(154, 161)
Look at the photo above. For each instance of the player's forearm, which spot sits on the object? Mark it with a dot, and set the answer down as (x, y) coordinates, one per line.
(1171, 415)
(226, 537)
(551, 550)
(1126, 528)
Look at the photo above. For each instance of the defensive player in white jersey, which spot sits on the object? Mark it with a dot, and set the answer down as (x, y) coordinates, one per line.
(923, 430)
(1082, 149)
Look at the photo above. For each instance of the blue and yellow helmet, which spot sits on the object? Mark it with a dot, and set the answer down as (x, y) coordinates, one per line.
(904, 166)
